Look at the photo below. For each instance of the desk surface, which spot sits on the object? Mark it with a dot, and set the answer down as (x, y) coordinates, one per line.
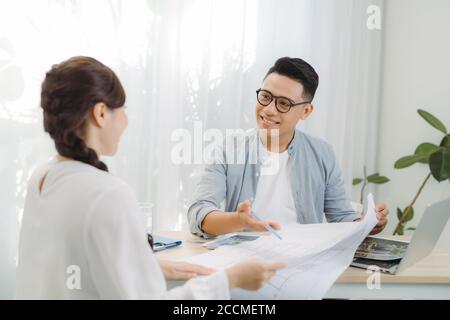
(433, 269)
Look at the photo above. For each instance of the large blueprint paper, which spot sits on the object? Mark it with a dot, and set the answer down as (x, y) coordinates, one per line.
(315, 256)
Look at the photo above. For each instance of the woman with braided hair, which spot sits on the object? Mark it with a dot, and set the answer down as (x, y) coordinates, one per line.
(82, 235)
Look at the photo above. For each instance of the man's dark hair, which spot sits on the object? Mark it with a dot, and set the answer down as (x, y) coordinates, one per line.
(298, 70)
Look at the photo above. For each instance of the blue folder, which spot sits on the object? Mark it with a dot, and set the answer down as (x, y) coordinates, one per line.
(163, 243)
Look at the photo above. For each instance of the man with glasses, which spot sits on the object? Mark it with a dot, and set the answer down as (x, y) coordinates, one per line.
(285, 175)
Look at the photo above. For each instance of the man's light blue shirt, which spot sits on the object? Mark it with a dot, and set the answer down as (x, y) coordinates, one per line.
(233, 174)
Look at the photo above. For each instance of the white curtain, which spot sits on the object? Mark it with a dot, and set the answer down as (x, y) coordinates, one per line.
(183, 63)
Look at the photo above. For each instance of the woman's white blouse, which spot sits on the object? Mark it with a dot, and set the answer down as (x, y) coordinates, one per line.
(83, 237)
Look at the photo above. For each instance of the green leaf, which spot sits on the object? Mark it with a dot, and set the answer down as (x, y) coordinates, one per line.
(440, 165)
(432, 120)
(373, 175)
(409, 161)
(409, 214)
(410, 229)
(426, 149)
(378, 179)
(400, 230)
(446, 141)
(399, 213)
(356, 181)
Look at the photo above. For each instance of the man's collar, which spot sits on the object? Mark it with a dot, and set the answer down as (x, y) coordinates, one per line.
(292, 147)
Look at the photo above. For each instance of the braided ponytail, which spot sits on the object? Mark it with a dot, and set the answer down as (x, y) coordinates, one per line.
(72, 146)
(69, 92)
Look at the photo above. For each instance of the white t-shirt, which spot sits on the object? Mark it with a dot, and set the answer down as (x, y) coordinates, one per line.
(273, 199)
(83, 237)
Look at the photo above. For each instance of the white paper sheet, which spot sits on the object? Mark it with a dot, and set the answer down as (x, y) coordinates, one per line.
(315, 256)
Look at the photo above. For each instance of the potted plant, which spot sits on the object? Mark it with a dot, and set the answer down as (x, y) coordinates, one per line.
(437, 159)
(374, 178)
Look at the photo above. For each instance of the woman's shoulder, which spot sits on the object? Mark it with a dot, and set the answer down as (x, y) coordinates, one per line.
(106, 192)
(76, 175)
(92, 177)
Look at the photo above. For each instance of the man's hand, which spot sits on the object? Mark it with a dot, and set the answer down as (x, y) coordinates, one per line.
(175, 270)
(382, 212)
(247, 220)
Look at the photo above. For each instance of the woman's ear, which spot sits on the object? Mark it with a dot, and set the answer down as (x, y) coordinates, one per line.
(99, 112)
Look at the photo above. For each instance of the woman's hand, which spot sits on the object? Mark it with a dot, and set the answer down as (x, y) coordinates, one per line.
(177, 270)
(251, 274)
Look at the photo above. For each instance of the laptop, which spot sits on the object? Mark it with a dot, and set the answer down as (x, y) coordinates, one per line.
(394, 256)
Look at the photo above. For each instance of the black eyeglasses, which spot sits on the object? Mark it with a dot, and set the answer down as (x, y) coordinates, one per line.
(282, 104)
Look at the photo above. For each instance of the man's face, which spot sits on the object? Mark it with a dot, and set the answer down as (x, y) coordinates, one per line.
(270, 118)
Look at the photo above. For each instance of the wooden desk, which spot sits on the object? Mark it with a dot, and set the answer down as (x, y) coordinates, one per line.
(427, 279)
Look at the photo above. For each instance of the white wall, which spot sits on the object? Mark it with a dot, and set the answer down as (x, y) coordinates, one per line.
(415, 74)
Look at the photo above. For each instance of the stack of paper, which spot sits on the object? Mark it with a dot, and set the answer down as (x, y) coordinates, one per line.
(315, 256)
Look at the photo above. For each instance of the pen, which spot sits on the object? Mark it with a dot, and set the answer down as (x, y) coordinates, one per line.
(268, 228)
